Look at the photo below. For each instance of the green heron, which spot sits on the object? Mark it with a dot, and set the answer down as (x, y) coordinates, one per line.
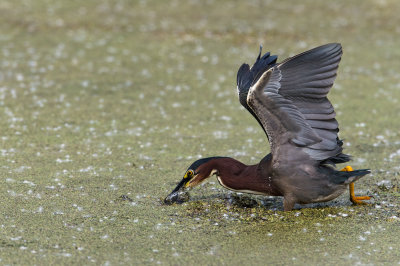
(289, 100)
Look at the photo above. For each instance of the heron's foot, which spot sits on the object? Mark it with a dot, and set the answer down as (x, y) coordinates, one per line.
(357, 200)
(353, 198)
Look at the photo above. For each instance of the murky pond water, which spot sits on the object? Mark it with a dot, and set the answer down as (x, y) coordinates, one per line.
(104, 104)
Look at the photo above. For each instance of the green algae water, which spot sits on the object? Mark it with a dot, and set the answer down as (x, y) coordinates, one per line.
(104, 104)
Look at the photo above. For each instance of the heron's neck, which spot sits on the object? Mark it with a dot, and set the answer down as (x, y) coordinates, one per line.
(237, 176)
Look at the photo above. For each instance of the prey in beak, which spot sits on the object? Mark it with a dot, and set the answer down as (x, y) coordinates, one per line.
(179, 194)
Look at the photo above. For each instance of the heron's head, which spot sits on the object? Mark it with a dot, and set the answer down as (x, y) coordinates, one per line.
(197, 172)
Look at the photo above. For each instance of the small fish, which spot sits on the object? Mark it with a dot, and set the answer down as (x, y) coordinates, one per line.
(178, 197)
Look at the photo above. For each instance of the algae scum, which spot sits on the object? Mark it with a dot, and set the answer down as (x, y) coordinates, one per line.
(104, 104)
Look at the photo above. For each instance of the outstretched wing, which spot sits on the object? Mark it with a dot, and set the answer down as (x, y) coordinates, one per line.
(290, 102)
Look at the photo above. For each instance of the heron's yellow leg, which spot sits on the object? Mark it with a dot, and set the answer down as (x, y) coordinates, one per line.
(353, 198)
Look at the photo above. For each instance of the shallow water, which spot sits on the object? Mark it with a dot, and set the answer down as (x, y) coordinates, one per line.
(105, 104)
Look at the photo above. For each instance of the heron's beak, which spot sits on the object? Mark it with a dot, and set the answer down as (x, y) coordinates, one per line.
(174, 196)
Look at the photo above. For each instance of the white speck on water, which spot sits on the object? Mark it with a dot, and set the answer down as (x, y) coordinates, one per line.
(113, 187)
(301, 44)
(158, 226)
(387, 184)
(361, 238)
(250, 129)
(21, 169)
(66, 160)
(361, 160)
(204, 59)
(12, 193)
(87, 169)
(77, 207)
(360, 124)
(19, 77)
(226, 118)
(395, 154)
(220, 134)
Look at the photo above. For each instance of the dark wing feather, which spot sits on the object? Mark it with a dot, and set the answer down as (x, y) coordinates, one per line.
(290, 103)
(282, 121)
(247, 76)
(306, 81)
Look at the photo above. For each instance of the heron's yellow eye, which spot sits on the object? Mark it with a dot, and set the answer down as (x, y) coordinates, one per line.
(189, 174)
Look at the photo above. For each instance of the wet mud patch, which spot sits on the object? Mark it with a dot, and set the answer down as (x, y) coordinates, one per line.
(247, 209)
